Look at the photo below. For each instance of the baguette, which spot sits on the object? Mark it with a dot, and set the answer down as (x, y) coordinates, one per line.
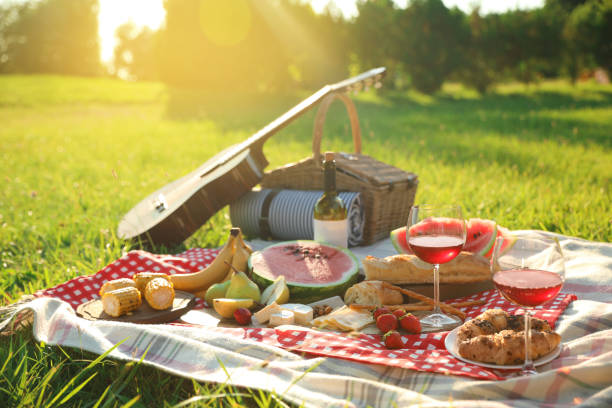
(372, 293)
(445, 307)
(408, 269)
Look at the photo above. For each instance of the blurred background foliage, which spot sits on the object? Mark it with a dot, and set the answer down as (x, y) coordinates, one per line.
(274, 45)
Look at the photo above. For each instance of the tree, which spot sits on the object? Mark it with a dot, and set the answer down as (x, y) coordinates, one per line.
(478, 70)
(135, 55)
(54, 36)
(432, 42)
(589, 33)
(377, 38)
(243, 45)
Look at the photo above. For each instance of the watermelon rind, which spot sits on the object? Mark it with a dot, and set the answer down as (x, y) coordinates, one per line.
(311, 292)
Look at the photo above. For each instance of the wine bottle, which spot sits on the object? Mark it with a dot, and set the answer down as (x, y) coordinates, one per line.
(329, 216)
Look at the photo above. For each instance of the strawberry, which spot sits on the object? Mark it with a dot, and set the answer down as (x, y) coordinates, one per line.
(410, 323)
(381, 310)
(386, 322)
(242, 316)
(393, 340)
(399, 313)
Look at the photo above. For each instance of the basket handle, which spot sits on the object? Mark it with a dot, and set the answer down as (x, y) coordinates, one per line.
(320, 121)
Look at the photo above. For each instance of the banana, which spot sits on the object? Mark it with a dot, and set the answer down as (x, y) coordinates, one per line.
(215, 272)
(240, 259)
(244, 244)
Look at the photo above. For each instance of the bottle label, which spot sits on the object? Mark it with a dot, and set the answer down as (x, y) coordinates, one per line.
(332, 232)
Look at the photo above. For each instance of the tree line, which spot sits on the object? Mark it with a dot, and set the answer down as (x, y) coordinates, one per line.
(274, 45)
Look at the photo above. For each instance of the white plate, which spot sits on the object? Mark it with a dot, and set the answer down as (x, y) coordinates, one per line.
(452, 347)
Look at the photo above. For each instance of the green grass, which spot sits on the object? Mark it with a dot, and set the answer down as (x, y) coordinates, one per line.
(77, 153)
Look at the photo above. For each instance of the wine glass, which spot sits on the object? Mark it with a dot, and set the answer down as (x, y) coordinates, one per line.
(528, 273)
(436, 234)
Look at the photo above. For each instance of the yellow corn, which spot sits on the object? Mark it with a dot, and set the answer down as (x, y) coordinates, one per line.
(159, 293)
(117, 284)
(121, 301)
(143, 278)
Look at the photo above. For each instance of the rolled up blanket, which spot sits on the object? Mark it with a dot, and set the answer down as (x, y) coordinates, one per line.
(287, 214)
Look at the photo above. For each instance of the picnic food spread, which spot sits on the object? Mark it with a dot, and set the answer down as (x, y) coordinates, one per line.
(289, 283)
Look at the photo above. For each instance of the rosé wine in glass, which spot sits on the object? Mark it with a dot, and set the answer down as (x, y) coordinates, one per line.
(530, 274)
(436, 235)
(528, 287)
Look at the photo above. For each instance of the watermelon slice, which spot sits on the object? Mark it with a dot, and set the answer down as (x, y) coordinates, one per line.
(399, 241)
(509, 240)
(313, 271)
(480, 237)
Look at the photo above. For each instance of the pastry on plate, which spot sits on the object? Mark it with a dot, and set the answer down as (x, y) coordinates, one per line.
(507, 346)
(497, 337)
(495, 320)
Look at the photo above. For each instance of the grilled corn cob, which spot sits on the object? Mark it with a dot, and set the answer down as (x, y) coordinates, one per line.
(143, 278)
(121, 301)
(117, 284)
(159, 293)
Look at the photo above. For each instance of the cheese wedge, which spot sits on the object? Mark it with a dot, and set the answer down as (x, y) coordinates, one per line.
(282, 317)
(264, 314)
(345, 319)
(303, 313)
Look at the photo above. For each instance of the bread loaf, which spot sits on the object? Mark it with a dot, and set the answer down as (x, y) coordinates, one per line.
(372, 293)
(408, 269)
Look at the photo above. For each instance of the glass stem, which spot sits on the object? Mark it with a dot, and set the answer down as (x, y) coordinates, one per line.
(437, 289)
(528, 364)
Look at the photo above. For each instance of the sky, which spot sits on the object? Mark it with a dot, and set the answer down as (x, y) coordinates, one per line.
(151, 13)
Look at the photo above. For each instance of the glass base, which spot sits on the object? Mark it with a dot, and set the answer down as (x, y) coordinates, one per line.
(440, 320)
(528, 371)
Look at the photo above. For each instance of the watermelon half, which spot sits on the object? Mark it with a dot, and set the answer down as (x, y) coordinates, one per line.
(480, 237)
(313, 271)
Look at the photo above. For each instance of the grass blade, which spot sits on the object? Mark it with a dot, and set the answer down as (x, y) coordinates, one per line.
(78, 388)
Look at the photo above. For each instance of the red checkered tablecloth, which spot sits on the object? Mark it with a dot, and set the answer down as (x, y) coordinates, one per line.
(425, 352)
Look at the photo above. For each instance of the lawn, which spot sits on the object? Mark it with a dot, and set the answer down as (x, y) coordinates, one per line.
(77, 153)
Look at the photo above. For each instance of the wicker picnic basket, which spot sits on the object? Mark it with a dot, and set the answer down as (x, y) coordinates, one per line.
(387, 192)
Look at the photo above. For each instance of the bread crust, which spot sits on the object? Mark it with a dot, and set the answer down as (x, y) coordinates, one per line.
(408, 269)
(372, 293)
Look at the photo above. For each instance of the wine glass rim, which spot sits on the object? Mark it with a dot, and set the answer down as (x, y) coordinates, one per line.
(549, 241)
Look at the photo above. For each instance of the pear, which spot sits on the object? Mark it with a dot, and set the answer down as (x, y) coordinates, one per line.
(241, 287)
(217, 290)
(226, 307)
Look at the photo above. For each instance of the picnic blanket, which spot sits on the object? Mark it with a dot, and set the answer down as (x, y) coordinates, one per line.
(581, 375)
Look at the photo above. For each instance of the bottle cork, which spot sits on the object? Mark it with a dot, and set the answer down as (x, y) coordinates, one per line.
(329, 156)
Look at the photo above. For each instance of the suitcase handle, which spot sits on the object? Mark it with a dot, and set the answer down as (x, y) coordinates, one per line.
(317, 134)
